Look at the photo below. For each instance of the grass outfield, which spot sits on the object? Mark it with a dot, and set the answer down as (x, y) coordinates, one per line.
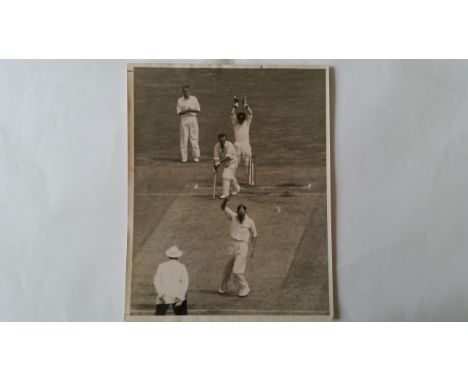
(173, 204)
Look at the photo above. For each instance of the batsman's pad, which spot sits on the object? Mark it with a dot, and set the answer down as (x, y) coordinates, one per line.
(252, 172)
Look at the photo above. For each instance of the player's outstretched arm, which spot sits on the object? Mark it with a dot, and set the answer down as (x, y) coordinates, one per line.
(224, 203)
(235, 106)
(246, 106)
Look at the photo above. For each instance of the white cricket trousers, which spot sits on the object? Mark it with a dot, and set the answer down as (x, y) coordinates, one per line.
(236, 267)
(229, 176)
(189, 129)
(244, 152)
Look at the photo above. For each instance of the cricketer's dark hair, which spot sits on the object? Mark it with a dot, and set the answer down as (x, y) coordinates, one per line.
(241, 114)
(221, 135)
(241, 206)
(185, 87)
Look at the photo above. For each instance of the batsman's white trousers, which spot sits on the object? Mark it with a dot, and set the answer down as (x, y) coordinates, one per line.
(236, 267)
(189, 129)
(243, 151)
(229, 176)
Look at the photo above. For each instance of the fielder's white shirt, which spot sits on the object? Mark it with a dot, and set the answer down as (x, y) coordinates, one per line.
(241, 231)
(241, 132)
(171, 281)
(190, 103)
(229, 151)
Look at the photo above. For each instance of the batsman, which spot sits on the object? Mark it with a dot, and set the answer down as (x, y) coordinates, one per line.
(225, 155)
(241, 121)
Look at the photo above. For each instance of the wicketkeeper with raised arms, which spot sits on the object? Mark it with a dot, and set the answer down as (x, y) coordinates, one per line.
(241, 121)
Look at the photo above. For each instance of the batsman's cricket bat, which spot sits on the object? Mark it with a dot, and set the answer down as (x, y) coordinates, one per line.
(214, 184)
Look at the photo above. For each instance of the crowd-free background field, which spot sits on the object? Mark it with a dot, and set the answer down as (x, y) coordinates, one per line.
(173, 200)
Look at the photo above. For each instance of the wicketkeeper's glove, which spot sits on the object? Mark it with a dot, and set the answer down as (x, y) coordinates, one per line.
(236, 102)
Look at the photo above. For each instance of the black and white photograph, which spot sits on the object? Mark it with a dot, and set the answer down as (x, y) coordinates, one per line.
(229, 193)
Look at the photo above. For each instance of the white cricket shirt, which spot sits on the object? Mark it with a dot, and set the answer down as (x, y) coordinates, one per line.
(228, 151)
(241, 132)
(241, 231)
(190, 103)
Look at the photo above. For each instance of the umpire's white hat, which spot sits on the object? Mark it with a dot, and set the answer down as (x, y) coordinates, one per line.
(174, 252)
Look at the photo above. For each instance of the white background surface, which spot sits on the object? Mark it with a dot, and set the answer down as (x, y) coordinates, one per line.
(193, 351)
(400, 142)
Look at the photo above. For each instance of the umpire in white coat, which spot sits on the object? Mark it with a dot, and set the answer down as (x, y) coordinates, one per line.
(171, 284)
